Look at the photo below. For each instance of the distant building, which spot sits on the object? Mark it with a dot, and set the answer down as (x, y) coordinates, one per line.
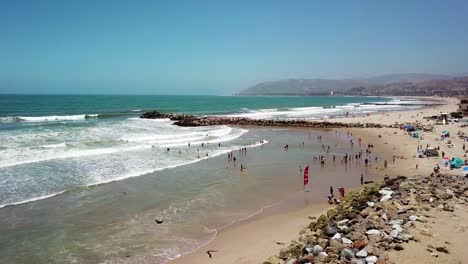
(463, 106)
(331, 93)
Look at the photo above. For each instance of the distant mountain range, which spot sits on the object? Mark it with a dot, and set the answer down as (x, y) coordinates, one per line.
(390, 84)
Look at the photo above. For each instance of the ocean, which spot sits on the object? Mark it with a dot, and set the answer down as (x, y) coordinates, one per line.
(84, 177)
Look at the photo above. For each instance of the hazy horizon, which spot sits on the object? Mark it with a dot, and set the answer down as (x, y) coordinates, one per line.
(220, 47)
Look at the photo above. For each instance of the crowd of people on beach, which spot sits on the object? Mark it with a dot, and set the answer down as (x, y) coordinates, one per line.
(361, 155)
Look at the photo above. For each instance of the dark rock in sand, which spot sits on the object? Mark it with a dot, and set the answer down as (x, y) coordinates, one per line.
(443, 250)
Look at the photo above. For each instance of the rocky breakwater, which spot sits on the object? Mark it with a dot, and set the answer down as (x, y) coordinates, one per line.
(370, 223)
(194, 121)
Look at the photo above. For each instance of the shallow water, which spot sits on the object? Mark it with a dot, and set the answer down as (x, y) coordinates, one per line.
(115, 222)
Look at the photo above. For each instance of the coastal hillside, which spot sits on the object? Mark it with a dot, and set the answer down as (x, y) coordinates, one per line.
(301, 87)
(451, 87)
(391, 84)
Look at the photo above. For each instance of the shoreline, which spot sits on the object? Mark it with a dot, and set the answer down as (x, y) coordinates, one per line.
(228, 238)
(237, 233)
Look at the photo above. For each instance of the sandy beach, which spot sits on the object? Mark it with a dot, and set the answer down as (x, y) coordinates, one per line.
(254, 240)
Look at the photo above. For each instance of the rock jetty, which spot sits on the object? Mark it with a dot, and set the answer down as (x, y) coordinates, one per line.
(195, 121)
(380, 218)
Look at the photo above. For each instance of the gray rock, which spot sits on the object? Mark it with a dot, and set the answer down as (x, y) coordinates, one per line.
(397, 228)
(309, 248)
(336, 236)
(346, 241)
(394, 233)
(395, 222)
(331, 230)
(316, 250)
(342, 222)
(385, 217)
(361, 254)
(373, 232)
(371, 259)
(343, 228)
(413, 218)
(347, 253)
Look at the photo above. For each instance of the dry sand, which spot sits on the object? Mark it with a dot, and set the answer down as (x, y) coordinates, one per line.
(254, 240)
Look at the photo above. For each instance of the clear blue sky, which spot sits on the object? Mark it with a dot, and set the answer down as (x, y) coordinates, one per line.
(220, 47)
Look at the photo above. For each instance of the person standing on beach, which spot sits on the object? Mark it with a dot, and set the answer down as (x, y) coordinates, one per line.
(362, 178)
(385, 164)
(341, 190)
(331, 190)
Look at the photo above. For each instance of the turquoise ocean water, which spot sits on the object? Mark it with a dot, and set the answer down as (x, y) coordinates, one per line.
(82, 178)
(51, 143)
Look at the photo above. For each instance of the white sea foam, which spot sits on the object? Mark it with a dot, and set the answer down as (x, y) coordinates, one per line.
(95, 153)
(31, 199)
(58, 145)
(56, 118)
(135, 173)
(325, 112)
